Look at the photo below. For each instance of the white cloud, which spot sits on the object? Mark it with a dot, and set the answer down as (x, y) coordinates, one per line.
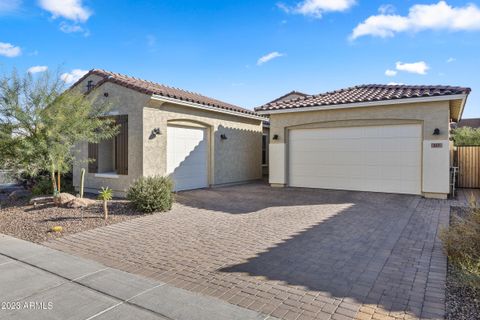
(451, 59)
(37, 69)
(73, 76)
(9, 50)
(387, 9)
(69, 28)
(268, 57)
(316, 8)
(9, 6)
(73, 28)
(68, 9)
(440, 16)
(390, 73)
(395, 84)
(420, 67)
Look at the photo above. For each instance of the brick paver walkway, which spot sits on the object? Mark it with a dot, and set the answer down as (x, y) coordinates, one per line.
(291, 253)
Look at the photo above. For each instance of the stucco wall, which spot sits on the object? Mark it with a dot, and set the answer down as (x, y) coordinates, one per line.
(122, 101)
(236, 159)
(430, 114)
(233, 160)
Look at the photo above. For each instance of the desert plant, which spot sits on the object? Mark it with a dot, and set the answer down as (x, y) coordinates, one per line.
(462, 244)
(106, 194)
(41, 123)
(82, 181)
(466, 136)
(150, 194)
(42, 186)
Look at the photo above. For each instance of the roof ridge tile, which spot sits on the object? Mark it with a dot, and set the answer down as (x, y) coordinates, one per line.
(151, 87)
(366, 93)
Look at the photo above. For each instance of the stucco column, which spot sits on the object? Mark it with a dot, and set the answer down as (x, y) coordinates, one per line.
(277, 164)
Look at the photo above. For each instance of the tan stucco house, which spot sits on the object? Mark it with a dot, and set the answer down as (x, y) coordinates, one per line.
(198, 141)
(384, 138)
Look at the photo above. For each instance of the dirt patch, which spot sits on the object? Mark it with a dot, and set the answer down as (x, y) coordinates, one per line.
(22, 220)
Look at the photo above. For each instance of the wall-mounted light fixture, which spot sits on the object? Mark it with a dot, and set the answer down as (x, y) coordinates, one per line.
(155, 133)
(90, 85)
(436, 132)
(275, 137)
(223, 136)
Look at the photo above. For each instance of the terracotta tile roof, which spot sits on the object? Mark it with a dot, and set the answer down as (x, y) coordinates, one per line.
(473, 123)
(289, 96)
(152, 88)
(365, 93)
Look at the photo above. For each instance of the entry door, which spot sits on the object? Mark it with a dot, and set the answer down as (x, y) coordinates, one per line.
(370, 158)
(187, 157)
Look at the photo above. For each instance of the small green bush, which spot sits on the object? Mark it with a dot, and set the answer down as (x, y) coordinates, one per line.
(42, 186)
(462, 245)
(150, 194)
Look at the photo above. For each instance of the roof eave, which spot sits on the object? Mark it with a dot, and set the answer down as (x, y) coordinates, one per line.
(365, 104)
(464, 102)
(163, 99)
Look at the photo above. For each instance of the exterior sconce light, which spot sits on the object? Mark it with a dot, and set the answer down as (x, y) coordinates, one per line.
(155, 133)
(436, 132)
(223, 136)
(275, 137)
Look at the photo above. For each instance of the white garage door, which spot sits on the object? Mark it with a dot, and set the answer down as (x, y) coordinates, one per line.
(187, 157)
(373, 158)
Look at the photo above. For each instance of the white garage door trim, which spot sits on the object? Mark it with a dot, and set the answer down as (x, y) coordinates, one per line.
(386, 158)
(187, 157)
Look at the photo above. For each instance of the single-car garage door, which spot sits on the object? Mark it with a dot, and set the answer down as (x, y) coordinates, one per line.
(187, 157)
(371, 158)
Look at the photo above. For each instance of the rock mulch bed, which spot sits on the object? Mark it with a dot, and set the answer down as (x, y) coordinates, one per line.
(20, 219)
(462, 302)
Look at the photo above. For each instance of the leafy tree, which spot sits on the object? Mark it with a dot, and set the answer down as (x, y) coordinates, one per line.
(41, 123)
(466, 136)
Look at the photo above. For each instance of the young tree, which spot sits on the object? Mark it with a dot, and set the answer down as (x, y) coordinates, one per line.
(40, 124)
(466, 136)
(106, 194)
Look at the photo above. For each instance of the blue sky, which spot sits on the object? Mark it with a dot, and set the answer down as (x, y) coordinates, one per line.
(216, 47)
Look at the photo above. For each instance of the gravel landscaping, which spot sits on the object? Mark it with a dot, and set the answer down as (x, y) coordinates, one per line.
(462, 302)
(21, 220)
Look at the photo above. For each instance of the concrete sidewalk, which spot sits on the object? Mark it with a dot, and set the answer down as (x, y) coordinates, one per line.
(41, 283)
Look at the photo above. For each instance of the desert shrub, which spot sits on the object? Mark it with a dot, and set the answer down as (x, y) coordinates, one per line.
(150, 194)
(462, 245)
(41, 186)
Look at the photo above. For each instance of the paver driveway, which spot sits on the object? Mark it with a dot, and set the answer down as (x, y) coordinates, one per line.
(291, 253)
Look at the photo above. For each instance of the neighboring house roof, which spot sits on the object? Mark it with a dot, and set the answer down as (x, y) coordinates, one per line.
(473, 123)
(365, 93)
(152, 88)
(289, 96)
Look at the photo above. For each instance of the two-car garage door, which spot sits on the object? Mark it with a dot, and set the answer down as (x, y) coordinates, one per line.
(371, 158)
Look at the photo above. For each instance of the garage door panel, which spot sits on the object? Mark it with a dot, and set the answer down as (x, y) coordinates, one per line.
(187, 157)
(374, 158)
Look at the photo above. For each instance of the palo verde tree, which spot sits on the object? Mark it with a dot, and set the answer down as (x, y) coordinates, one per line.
(466, 136)
(41, 123)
